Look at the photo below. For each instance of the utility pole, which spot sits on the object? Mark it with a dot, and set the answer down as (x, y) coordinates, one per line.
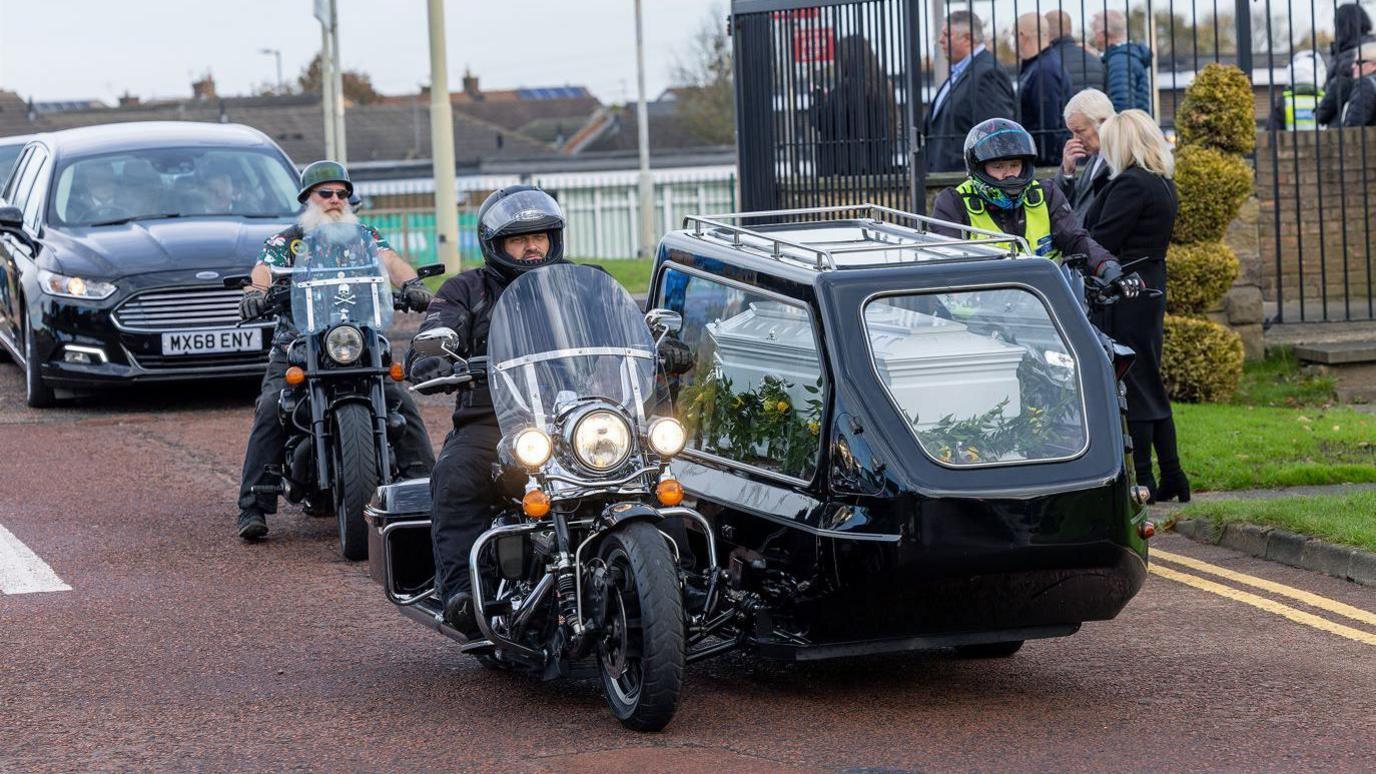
(442, 144)
(322, 12)
(276, 52)
(340, 146)
(647, 184)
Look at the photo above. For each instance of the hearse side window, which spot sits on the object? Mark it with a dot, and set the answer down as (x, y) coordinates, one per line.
(754, 395)
(983, 376)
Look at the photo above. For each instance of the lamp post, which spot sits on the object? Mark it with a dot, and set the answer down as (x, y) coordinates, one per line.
(276, 52)
(647, 184)
(442, 143)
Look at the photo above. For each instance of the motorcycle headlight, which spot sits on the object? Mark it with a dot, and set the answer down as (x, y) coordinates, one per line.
(602, 440)
(667, 436)
(532, 447)
(56, 284)
(344, 344)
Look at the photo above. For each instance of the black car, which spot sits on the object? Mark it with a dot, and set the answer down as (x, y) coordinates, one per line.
(114, 241)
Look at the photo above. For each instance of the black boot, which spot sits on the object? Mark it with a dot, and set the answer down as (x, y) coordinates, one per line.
(1141, 433)
(252, 526)
(1174, 483)
(458, 613)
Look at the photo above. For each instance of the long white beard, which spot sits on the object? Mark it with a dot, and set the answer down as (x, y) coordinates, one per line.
(314, 216)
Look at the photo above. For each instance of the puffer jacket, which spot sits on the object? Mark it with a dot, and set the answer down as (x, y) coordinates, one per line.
(1127, 80)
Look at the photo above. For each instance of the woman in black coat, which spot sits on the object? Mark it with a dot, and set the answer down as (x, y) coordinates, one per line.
(1133, 218)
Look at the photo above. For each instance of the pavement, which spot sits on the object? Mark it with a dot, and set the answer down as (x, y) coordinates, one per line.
(161, 642)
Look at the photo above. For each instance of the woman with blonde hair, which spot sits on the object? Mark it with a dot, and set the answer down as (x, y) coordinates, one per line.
(1132, 218)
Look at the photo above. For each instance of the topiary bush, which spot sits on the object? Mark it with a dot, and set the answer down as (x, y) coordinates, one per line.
(1198, 275)
(1218, 111)
(1213, 186)
(1201, 361)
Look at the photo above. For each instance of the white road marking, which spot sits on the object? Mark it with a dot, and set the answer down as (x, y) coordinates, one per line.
(21, 571)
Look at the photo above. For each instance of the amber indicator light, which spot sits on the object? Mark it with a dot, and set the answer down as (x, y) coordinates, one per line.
(295, 375)
(669, 491)
(535, 504)
(398, 373)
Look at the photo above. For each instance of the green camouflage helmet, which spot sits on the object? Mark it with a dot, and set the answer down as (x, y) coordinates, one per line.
(318, 172)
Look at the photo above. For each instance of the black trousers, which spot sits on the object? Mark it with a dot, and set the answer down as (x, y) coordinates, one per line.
(267, 438)
(463, 494)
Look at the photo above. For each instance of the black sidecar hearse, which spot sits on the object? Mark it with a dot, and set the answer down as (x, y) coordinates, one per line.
(902, 441)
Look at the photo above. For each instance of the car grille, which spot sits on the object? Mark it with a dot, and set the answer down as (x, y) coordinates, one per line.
(176, 309)
(189, 362)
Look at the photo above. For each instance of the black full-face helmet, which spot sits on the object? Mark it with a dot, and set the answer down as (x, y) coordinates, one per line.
(516, 210)
(994, 140)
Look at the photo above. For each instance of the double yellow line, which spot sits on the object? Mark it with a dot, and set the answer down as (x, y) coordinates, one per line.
(1263, 603)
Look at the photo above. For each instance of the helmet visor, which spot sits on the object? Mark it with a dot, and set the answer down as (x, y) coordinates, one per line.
(1003, 144)
(524, 212)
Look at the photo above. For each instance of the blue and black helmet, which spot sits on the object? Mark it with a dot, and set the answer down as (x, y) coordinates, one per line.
(998, 139)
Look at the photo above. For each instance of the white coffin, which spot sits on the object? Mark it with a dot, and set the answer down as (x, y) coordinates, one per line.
(767, 339)
(936, 367)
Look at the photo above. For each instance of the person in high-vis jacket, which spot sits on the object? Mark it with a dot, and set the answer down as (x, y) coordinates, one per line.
(1001, 194)
(1296, 108)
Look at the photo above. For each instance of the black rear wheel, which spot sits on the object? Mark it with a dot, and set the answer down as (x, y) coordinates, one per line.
(989, 649)
(355, 476)
(641, 653)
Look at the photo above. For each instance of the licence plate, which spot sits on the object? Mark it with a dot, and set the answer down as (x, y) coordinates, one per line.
(212, 342)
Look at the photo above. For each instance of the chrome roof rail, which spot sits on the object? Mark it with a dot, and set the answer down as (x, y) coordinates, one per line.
(826, 256)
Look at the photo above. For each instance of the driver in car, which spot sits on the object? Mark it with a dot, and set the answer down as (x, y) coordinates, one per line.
(325, 189)
(96, 194)
(519, 228)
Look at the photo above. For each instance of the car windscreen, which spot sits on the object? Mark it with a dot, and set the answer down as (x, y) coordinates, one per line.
(152, 183)
(8, 154)
(983, 377)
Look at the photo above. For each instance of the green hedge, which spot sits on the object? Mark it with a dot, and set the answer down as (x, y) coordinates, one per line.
(1218, 111)
(1198, 275)
(1201, 361)
(1213, 186)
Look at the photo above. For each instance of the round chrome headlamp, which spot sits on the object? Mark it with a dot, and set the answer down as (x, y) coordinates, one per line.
(344, 344)
(601, 440)
(532, 447)
(667, 436)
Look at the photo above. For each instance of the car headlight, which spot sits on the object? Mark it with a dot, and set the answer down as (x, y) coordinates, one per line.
(532, 447)
(56, 284)
(602, 440)
(344, 344)
(667, 436)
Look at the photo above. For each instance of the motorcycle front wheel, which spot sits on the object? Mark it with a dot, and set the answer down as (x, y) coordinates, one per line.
(355, 476)
(641, 653)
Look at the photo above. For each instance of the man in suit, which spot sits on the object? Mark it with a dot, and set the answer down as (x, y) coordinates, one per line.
(974, 91)
(1082, 67)
(1043, 87)
(1083, 171)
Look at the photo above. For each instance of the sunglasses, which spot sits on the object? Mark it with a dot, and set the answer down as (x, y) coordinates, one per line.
(332, 193)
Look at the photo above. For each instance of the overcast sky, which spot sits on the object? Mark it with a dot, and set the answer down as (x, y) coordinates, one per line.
(98, 49)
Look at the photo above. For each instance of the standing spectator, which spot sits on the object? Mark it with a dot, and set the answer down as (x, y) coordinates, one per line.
(1133, 218)
(1361, 109)
(1126, 65)
(1043, 88)
(1295, 107)
(974, 91)
(1082, 67)
(1084, 114)
(1351, 28)
(857, 121)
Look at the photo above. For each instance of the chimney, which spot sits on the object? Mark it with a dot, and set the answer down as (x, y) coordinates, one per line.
(470, 86)
(128, 100)
(203, 89)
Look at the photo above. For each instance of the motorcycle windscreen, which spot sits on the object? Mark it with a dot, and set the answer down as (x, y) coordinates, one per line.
(563, 333)
(338, 277)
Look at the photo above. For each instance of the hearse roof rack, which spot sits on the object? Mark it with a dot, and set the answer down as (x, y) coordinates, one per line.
(889, 222)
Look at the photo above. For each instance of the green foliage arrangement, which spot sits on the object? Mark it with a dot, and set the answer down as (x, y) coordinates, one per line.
(1213, 186)
(1198, 275)
(1201, 361)
(759, 426)
(1218, 111)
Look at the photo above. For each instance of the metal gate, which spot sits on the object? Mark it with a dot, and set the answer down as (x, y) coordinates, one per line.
(835, 99)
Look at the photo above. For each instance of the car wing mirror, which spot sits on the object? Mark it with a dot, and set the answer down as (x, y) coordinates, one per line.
(437, 342)
(662, 321)
(11, 217)
(433, 270)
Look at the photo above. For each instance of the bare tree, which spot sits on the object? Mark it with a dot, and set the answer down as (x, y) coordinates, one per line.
(707, 104)
(358, 86)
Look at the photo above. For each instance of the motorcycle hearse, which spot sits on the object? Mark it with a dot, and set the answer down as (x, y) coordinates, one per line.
(889, 441)
(339, 426)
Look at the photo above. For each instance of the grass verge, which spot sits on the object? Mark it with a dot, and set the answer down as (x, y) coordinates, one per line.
(632, 273)
(1345, 518)
(1278, 381)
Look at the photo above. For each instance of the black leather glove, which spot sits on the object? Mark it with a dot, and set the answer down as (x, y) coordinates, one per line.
(416, 295)
(433, 367)
(674, 356)
(1129, 285)
(1110, 273)
(253, 304)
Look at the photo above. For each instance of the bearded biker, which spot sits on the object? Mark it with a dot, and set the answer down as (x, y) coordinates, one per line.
(325, 190)
(520, 228)
(1000, 194)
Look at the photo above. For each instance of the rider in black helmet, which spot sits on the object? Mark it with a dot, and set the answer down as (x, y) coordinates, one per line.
(1001, 194)
(519, 228)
